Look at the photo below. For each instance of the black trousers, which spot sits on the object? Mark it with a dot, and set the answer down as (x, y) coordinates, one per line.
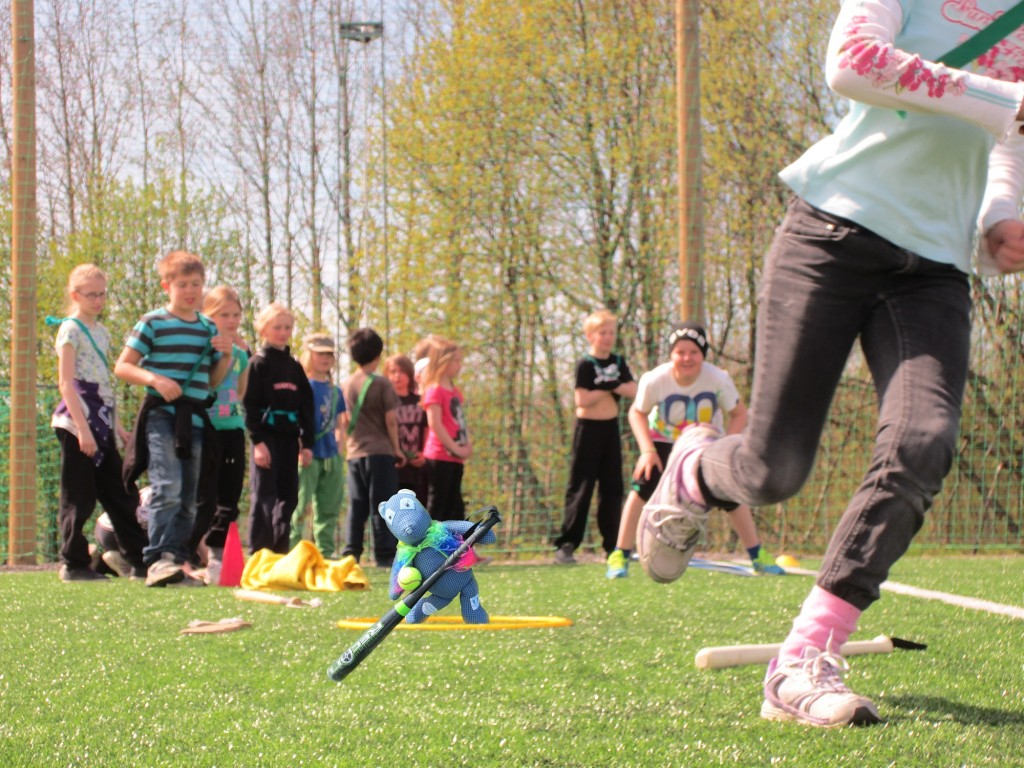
(275, 493)
(444, 494)
(82, 484)
(220, 488)
(596, 461)
(371, 480)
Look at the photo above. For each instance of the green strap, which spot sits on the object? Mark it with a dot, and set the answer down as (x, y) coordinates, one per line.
(50, 320)
(270, 415)
(358, 407)
(983, 40)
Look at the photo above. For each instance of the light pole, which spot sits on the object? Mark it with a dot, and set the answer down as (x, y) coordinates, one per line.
(366, 32)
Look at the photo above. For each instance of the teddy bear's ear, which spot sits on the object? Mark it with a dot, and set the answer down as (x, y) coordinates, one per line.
(386, 512)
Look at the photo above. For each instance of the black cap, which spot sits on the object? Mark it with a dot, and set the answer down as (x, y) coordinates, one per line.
(692, 332)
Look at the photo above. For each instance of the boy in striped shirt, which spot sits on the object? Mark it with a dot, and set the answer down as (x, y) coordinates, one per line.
(178, 356)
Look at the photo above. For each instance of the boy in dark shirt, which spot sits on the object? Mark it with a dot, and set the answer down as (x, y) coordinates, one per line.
(602, 378)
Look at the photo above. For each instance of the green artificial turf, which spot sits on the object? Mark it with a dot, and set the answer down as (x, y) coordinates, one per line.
(98, 675)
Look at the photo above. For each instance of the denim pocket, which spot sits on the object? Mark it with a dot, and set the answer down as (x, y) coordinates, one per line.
(811, 225)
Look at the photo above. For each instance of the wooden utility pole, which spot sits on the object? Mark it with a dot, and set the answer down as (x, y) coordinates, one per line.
(691, 216)
(22, 465)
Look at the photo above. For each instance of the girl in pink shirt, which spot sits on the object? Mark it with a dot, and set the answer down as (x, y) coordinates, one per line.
(448, 445)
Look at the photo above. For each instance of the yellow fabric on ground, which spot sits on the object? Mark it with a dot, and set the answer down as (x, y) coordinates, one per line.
(302, 568)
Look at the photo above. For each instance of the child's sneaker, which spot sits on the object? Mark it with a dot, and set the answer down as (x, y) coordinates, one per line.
(188, 580)
(164, 571)
(671, 524)
(811, 690)
(618, 565)
(765, 564)
(117, 562)
(563, 555)
(213, 573)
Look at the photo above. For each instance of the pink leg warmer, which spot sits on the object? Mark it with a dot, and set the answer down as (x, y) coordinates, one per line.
(822, 615)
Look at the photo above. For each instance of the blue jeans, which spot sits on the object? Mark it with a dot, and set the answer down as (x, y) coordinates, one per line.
(172, 506)
(826, 283)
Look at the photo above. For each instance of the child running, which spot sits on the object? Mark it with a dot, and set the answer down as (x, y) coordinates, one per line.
(278, 403)
(322, 481)
(85, 423)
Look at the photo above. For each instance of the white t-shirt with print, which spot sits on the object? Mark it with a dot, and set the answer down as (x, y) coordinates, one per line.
(671, 407)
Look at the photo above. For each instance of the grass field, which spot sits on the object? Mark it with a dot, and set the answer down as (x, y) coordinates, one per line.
(98, 675)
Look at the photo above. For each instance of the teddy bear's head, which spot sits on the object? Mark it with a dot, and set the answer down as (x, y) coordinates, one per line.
(405, 517)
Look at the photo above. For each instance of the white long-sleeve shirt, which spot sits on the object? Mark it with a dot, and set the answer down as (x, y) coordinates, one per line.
(927, 154)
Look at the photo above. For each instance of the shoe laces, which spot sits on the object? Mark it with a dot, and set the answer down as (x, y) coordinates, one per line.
(826, 670)
(673, 522)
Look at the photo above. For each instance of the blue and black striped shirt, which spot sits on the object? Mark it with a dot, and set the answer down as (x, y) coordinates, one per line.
(170, 346)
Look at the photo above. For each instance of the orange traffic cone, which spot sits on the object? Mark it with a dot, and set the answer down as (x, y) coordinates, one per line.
(234, 561)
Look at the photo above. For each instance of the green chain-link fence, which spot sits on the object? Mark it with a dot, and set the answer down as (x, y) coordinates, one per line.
(522, 468)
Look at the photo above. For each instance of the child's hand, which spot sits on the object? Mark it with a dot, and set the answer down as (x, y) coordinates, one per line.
(87, 443)
(648, 461)
(1005, 242)
(168, 388)
(261, 455)
(222, 344)
(400, 460)
(305, 457)
(122, 433)
(418, 460)
(239, 341)
(463, 451)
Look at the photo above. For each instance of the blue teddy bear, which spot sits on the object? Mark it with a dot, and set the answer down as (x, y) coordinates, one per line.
(425, 544)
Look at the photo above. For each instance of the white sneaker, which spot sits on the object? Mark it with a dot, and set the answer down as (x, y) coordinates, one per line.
(164, 571)
(117, 563)
(213, 566)
(811, 690)
(671, 523)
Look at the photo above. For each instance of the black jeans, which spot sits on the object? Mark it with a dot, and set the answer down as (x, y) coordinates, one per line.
(828, 282)
(220, 490)
(274, 494)
(371, 481)
(82, 484)
(444, 491)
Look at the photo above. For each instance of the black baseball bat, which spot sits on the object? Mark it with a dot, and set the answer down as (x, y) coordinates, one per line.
(373, 637)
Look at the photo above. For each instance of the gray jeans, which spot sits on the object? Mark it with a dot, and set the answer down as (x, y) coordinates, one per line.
(827, 282)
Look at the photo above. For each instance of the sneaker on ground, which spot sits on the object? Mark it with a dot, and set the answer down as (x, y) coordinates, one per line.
(671, 523)
(213, 567)
(79, 574)
(117, 562)
(811, 690)
(164, 571)
(618, 565)
(188, 580)
(766, 565)
(563, 555)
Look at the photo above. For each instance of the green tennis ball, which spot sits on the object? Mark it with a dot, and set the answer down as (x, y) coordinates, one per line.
(409, 578)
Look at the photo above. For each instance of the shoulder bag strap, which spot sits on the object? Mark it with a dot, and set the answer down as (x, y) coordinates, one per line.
(358, 407)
